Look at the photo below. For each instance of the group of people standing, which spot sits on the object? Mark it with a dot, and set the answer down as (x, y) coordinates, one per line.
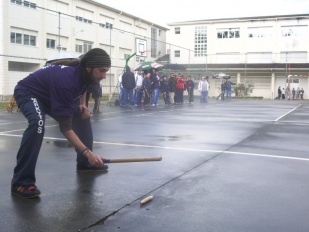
(144, 88)
(286, 94)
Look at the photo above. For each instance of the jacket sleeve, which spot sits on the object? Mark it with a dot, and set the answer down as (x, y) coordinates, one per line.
(199, 86)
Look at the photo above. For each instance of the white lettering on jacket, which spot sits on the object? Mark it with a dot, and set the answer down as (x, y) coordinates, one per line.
(40, 122)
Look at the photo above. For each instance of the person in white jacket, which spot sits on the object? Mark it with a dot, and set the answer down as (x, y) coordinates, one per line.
(203, 87)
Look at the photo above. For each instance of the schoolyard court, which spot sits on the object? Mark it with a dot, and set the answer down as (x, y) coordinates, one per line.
(239, 165)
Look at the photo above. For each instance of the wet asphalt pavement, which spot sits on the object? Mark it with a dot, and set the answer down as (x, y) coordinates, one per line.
(240, 165)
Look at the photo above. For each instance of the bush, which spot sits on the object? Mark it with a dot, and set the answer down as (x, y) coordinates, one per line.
(243, 90)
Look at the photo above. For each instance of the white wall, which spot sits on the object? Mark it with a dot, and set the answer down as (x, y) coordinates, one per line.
(42, 24)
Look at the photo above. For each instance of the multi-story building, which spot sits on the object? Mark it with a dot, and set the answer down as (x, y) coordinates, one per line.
(268, 51)
(35, 30)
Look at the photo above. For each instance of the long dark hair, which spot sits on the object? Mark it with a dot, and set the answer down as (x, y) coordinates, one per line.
(73, 62)
(66, 62)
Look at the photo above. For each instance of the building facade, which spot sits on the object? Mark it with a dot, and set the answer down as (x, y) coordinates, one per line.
(32, 31)
(266, 51)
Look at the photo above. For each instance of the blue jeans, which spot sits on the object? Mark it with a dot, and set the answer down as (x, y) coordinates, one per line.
(27, 155)
(121, 96)
(128, 96)
(83, 129)
(155, 96)
(204, 96)
(138, 96)
(228, 94)
(191, 95)
(179, 95)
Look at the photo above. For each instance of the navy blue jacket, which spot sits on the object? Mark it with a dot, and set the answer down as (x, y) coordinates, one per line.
(146, 83)
(155, 83)
(128, 79)
(228, 85)
(164, 86)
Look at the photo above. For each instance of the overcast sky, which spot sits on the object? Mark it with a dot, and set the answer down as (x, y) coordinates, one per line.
(167, 11)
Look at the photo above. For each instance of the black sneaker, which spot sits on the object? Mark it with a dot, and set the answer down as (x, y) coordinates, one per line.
(90, 168)
(27, 191)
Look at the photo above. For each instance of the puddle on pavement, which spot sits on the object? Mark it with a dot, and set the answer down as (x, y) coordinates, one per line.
(174, 137)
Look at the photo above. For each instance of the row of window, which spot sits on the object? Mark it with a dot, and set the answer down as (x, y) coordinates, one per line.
(200, 47)
(24, 3)
(255, 32)
(78, 18)
(228, 33)
(82, 19)
(24, 39)
(107, 25)
(265, 57)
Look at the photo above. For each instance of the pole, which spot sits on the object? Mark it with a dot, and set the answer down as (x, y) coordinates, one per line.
(127, 60)
(59, 46)
(245, 68)
(286, 64)
(110, 55)
(189, 60)
(206, 66)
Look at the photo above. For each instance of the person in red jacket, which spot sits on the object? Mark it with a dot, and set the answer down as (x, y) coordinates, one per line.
(180, 86)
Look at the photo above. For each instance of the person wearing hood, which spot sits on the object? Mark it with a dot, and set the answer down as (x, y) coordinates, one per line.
(128, 83)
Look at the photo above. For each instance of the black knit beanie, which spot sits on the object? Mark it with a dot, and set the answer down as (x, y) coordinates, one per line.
(95, 58)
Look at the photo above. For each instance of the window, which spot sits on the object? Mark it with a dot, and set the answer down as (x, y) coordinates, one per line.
(106, 25)
(24, 39)
(293, 80)
(79, 48)
(260, 32)
(22, 67)
(51, 43)
(87, 47)
(177, 53)
(107, 21)
(177, 30)
(200, 46)
(295, 31)
(81, 19)
(228, 33)
(18, 2)
(24, 3)
(29, 40)
(16, 38)
(83, 48)
(83, 15)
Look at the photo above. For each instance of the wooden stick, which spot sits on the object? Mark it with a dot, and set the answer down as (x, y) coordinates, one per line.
(145, 200)
(129, 160)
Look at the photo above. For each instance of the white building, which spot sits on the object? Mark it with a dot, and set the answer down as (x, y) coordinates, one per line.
(34, 30)
(260, 50)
